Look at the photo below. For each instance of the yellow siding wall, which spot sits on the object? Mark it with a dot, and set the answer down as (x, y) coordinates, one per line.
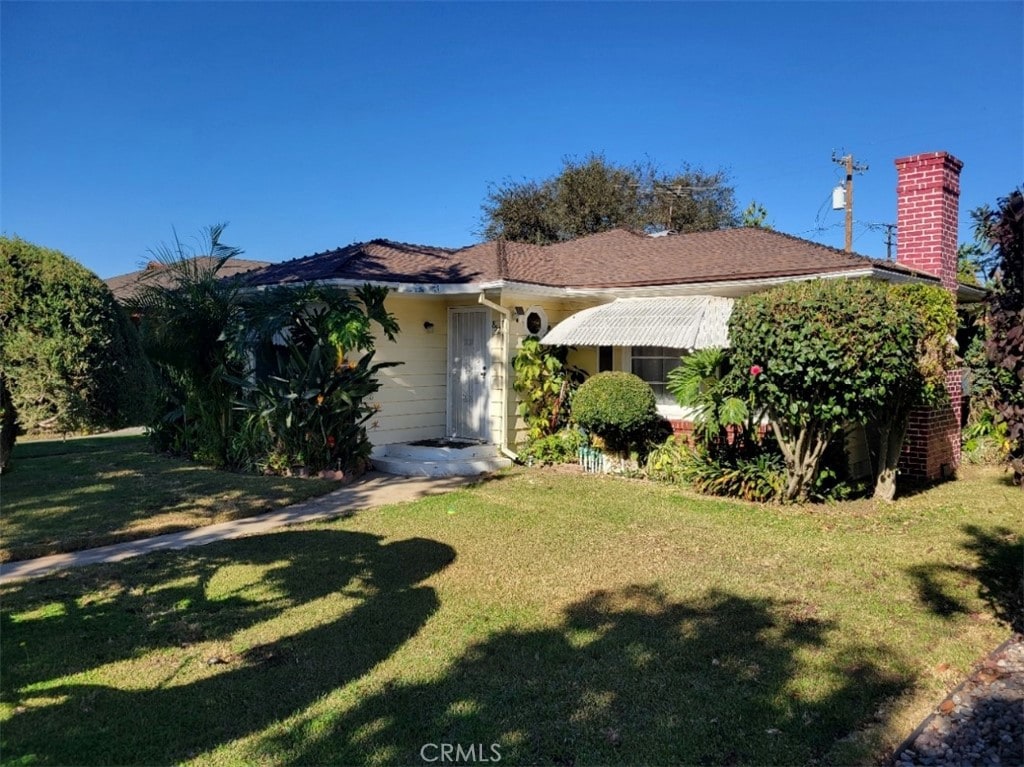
(412, 399)
(556, 310)
(498, 373)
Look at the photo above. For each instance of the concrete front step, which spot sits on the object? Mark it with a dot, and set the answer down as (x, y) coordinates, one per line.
(455, 452)
(439, 458)
(414, 467)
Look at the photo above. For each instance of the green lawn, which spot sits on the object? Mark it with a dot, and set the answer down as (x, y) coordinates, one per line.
(567, 619)
(75, 494)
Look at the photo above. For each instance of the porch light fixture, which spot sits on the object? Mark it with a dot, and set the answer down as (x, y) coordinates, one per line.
(428, 326)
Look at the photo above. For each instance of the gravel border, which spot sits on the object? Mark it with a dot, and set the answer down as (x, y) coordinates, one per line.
(980, 723)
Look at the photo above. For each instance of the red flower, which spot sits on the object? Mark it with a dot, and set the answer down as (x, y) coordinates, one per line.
(756, 370)
(330, 441)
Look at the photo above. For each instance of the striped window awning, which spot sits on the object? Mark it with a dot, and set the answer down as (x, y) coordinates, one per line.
(684, 322)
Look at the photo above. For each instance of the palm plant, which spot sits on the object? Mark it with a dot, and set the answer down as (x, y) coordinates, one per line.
(700, 383)
(183, 324)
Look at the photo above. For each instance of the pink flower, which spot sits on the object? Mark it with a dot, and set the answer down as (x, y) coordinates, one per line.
(756, 370)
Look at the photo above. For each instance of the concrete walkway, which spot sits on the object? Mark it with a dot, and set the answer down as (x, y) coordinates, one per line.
(373, 490)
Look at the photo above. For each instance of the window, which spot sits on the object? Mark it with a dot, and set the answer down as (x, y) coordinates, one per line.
(652, 364)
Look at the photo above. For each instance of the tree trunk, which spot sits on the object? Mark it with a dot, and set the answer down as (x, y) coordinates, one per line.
(802, 453)
(891, 433)
(885, 484)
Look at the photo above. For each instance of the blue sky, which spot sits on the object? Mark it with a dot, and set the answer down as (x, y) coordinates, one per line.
(309, 126)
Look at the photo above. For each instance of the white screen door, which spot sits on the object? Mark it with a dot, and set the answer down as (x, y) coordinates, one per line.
(469, 331)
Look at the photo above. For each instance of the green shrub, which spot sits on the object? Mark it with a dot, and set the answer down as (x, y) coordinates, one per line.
(72, 356)
(270, 380)
(305, 403)
(618, 407)
(822, 354)
(561, 447)
(760, 478)
(546, 384)
(185, 324)
(702, 382)
(8, 424)
(668, 461)
(984, 440)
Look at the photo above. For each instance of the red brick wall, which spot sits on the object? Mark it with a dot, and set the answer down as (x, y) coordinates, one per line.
(932, 447)
(927, 213)
(927, 219)
(683, 430)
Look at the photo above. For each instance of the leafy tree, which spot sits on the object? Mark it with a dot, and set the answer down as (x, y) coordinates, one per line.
(930, 311)
(969, 259)
(826, 353)
(1004, 229)
(755, 215)
(70, 354)
(594, 195)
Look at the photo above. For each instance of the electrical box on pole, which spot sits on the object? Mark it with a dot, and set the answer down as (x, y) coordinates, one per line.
(839, 198)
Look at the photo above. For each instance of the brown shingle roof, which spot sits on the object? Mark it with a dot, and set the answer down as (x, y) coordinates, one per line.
(126, 286)
(617, 258)
(383, 260)
(620, 258)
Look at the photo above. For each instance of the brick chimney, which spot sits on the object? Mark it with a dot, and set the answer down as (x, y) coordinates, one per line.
(927, 214)
(927, 219)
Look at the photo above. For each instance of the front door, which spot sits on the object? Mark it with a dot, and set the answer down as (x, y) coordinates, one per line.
(469, 331)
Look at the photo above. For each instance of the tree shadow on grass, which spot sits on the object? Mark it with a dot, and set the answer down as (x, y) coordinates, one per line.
(92, 492)
(175, 602)
(999, 574)
(628, 676)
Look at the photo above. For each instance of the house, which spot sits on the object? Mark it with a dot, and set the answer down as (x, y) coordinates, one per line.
(127, 286)
(623, 300)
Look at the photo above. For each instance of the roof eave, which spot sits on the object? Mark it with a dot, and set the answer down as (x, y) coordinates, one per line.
(729, 288)
(402, 288)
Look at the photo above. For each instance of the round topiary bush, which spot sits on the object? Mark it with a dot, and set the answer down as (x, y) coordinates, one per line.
(616, 406)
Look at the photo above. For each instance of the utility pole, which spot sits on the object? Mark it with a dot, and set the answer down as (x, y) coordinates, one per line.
(889, 229)
(888, 240)
(851, 167)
